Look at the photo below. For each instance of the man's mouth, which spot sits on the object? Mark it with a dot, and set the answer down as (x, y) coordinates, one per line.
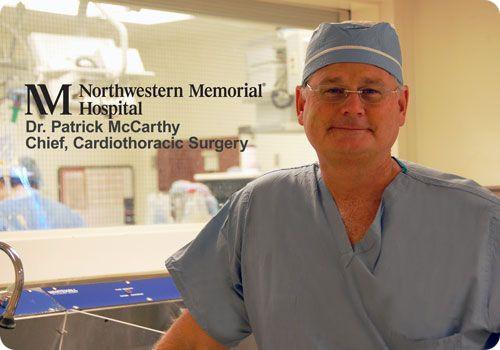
(346, 128)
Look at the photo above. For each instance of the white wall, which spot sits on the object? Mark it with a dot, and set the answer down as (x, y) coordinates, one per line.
(64, 255)
(454, 49)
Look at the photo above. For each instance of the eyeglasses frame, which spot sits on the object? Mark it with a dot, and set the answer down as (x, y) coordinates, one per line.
(358, 92)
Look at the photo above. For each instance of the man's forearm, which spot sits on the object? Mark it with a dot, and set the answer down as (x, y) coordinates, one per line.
(173, 341)
(186, 334)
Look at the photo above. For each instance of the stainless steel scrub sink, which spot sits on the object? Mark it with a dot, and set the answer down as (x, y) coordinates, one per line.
(134, 327)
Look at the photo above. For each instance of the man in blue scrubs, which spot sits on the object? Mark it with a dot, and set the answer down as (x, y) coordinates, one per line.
(22, 207)
(358, 251)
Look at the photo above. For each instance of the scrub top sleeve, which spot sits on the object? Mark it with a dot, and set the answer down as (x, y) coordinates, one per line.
(494, 302)
(207, 273)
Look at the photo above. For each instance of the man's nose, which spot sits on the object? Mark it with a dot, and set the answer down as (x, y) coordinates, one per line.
(353, 105)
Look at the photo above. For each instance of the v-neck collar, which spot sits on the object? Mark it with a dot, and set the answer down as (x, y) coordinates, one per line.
(368, 249)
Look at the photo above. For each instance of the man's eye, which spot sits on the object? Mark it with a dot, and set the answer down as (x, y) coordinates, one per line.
(368, 92)
(334, 91)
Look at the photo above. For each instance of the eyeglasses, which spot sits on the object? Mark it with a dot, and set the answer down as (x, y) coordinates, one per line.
(334, 94)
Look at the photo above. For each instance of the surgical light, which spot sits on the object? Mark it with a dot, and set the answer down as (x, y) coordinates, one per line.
(120, 13)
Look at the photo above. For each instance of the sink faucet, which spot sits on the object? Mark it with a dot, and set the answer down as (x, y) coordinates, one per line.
(7, 319)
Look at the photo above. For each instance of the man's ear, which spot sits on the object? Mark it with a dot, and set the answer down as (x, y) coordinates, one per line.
(299, 104)
(403, 104)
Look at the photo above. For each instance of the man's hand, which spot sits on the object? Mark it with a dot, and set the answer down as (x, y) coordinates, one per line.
(186, 334)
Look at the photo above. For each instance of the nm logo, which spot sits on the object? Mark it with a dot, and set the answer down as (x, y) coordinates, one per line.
(44, 99)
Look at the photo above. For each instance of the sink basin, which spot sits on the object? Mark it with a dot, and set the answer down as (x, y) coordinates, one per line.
(130, 328)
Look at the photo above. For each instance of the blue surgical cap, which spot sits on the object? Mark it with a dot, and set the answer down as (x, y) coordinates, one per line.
(35, 176)
(362, 42)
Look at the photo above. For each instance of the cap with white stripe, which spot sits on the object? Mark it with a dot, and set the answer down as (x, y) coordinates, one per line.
(361, 42)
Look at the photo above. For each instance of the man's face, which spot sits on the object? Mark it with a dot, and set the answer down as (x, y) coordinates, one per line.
(351, 128)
